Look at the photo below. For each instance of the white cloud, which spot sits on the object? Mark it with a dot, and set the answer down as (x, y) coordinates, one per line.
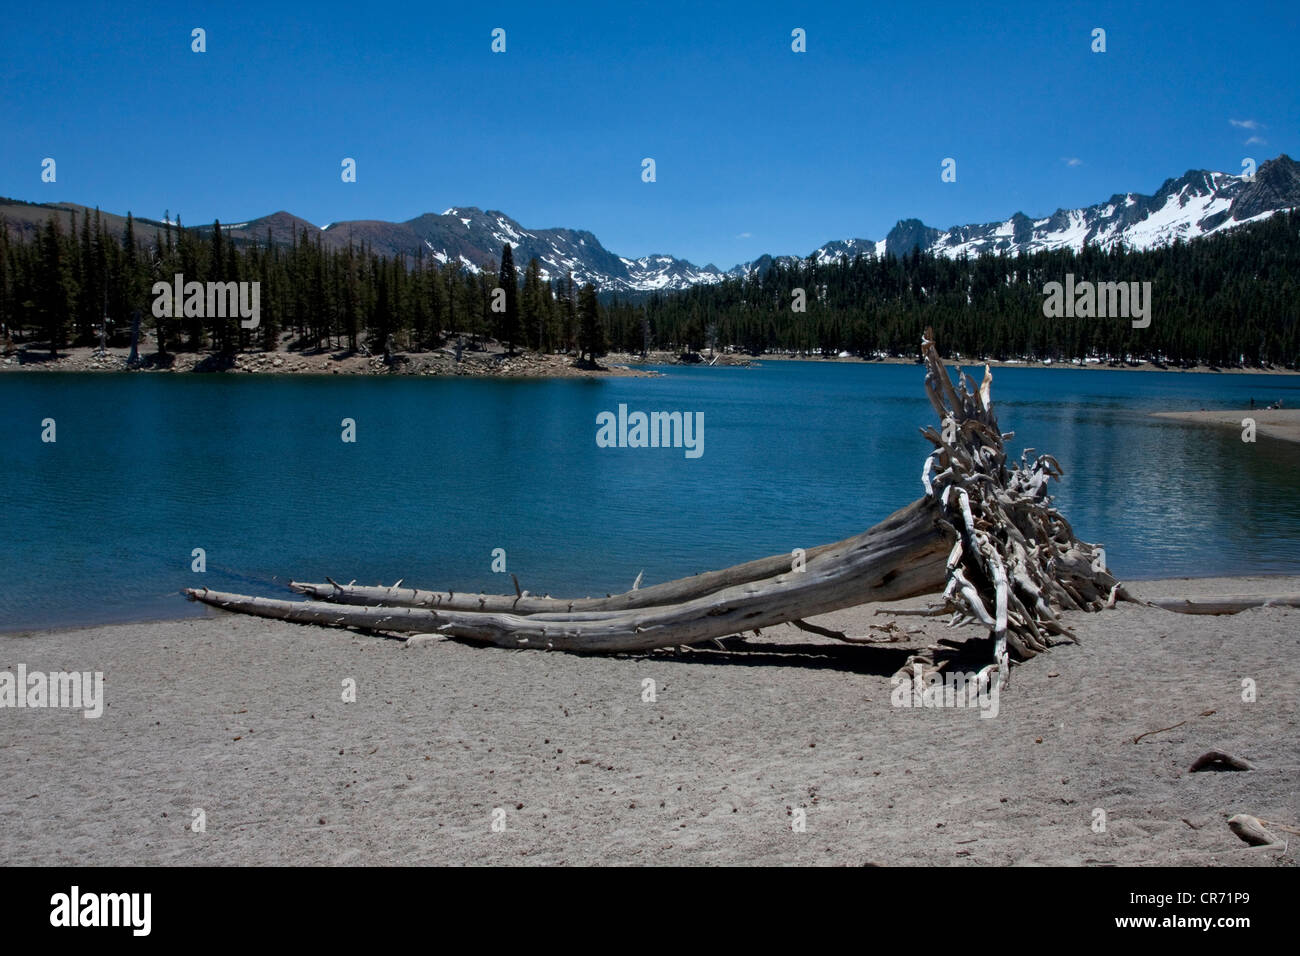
(1072, 160)
(1257, 141)
(1247, 124)
(743, 235)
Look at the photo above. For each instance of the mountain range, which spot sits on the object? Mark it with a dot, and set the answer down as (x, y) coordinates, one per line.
(1198, 203)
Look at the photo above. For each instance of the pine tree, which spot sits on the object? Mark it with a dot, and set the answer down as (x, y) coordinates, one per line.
(591, 326)
(507, 322)
(54, 292)
(272, 296)
(569, 314)
(131, 292)
(91, 284)
(383, 311)
(6, 295)
(531, 306)
(437, 306)
(351, 299)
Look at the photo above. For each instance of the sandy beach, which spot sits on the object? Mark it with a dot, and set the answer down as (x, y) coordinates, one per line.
(1283, 423)
(244, 719)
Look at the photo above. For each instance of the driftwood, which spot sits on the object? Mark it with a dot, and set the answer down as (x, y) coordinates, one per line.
(1251, 830)
(985, 534)
(1226, 605)
(901, 557)
(1218, 760)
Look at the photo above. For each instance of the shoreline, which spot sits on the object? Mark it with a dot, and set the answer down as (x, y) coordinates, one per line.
(243, 719)
(438, 363)
(967, 363)
(1279, 423)
(492, 363)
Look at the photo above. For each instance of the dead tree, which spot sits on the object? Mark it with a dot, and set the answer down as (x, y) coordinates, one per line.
(985, 535)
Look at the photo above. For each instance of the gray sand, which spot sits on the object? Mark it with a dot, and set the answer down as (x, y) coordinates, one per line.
(1283, 423)
(244, 719)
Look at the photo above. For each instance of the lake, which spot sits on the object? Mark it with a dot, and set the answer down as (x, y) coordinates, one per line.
(101, 524)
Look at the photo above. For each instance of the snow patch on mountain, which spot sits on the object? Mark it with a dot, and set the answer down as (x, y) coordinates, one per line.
(1197, 204)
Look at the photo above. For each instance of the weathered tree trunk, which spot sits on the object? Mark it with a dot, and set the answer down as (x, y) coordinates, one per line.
(1225, 605)
(901, 557)
(989, 533)
(670, 592)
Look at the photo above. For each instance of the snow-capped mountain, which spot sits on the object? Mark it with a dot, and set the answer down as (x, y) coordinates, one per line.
(1198, 203)
(474, 238)
(823, 255)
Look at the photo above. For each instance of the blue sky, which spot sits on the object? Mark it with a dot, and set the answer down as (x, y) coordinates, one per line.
(758, 149)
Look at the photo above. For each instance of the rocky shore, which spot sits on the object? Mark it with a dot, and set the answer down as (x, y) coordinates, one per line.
(493, 363)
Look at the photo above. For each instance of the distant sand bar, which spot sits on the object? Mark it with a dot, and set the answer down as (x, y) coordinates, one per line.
(1283, 423)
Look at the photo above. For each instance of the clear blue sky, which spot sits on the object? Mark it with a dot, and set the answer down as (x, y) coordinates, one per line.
(758, 149)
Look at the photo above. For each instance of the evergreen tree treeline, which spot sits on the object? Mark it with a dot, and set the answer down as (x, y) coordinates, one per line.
(61, 286)
(1221, 300)
(1229, 298)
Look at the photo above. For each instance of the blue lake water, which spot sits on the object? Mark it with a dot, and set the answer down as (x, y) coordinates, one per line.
(101, 524)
